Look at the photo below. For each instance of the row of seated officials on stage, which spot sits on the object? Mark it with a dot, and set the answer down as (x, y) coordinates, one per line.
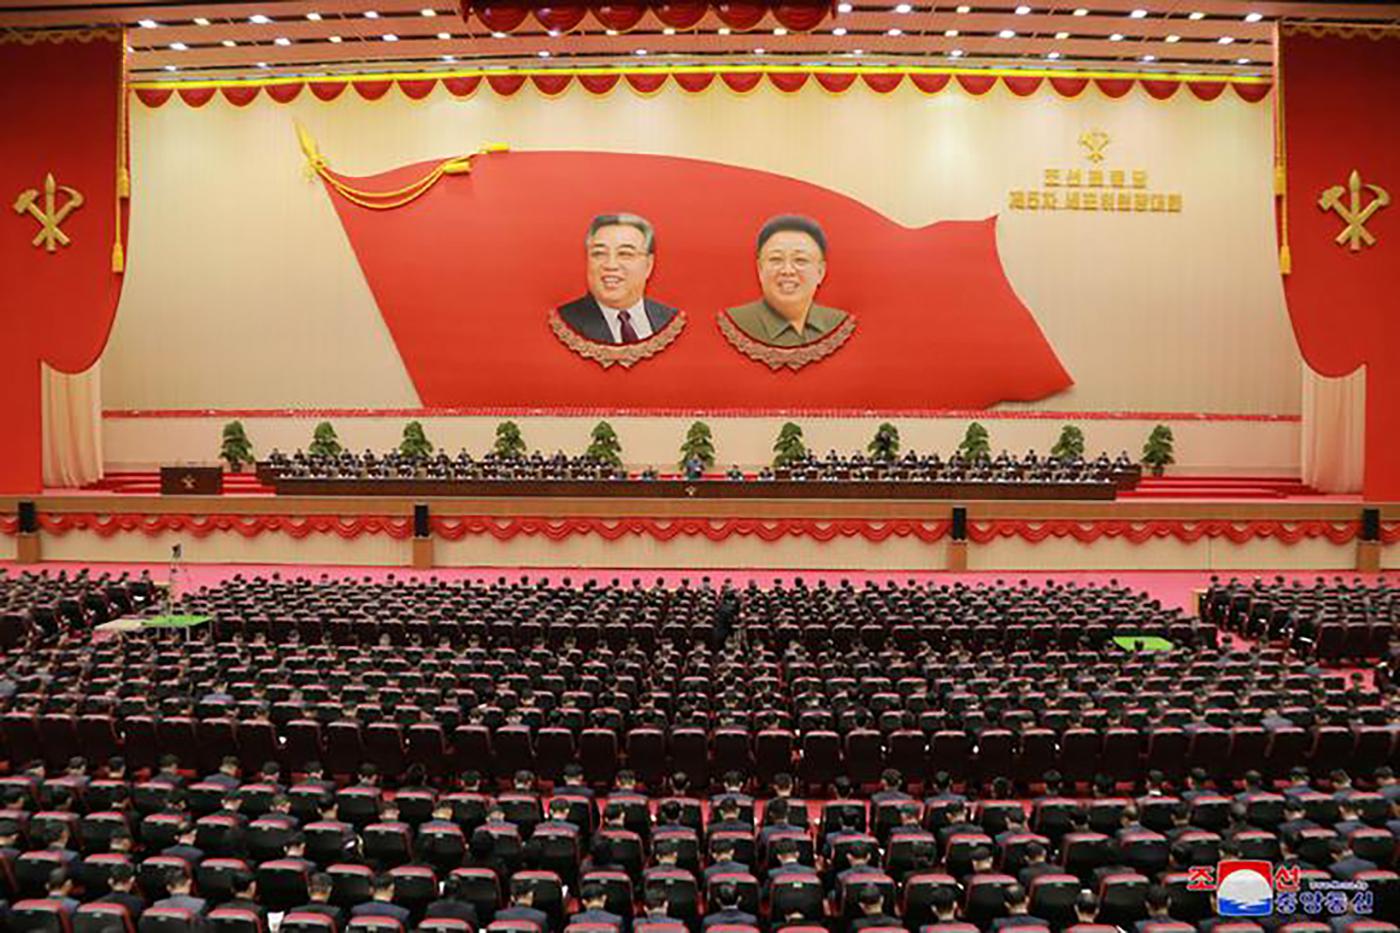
(1333, 620)
(524, 857)
(911, 467)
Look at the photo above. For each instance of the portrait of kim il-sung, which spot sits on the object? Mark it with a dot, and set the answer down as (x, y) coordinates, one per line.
(620, 251)
(791, 255)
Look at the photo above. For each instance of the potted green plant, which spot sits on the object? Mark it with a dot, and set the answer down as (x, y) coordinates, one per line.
(976, 443)
(510, 443)
(324, 443)
(1157, 452)
(236, 449)
(788, 448)
(698, 445)
(415, 443)
(885, 444)
(604, 446)
(1070, 445)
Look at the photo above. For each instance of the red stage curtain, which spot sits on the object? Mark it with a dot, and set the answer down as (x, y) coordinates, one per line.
(64, 119)
(1339, 94)
(681, 14)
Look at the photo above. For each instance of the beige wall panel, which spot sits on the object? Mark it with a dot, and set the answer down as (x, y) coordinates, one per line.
(1390, 557)
(229, 548)
(1214, 447)
(242, 290)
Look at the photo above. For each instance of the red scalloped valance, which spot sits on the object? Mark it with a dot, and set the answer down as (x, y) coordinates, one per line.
(552, 83)
(622, 15)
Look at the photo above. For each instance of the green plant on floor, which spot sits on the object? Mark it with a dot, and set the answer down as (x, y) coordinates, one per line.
(510, 443)
(415, 443)
(604, 446)
(236, 449)
(885, 444)
(789, 448)
(324, 443)
(698, 445)
(976, 443)
(1070, 446)
(1157, 453)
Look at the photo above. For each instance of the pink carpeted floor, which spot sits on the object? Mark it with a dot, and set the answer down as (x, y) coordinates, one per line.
(1173, 588)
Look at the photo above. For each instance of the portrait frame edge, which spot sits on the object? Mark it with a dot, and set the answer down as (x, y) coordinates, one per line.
(793, 358)
(608, 355)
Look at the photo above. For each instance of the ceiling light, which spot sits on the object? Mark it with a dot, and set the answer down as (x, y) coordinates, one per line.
(894, 32)
(723, 31)
(258, 19)
(1241, 61)
(1022, 10)
(839, 31)
(428, 11)
(779, 31)
(147, 23)
(857, 51)
(956, 53)
(1138, 14)
(950, 33)
(904, 8)
(554, 33)
(759, 51)
(964, 8)
(1197, 15)
(171, 68)
(1081, 11)
(1052, 55)
(611, 32)
(1173, 38)
(333, 39)
(1226, 40)
(314, 16)
(1149, 58)
(371, 14)
(389, 37)
(1062, 35)
(444, 36)
(228, 43)
(1007, 33)
(498, 35)
(1253, 17)
(639, 51)
(282, 40)
(543, 53)
(844, 8)
(1116, 37)
(178, 47)
(201, 21)
(262, 64)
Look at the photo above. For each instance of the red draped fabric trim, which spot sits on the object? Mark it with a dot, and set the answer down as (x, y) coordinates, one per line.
(741, 82)
(454, 529)
(563, 18)
(789, 82)
(600, 84)
(1010, 414)
(329, 90)
(680, 14)
(550, 85)
(800, 17)
(499, 15)
(646, 82)
(1022, 86)
(695, 82)
(1069, 87)
(199, 96)
(1113, 87)
(883, 82)
(461, 87)
(1184, 531)
(9, 526)
(836, 82)
(153, 96)
(740, 14)
(1160, 90)
(1206, 90)
(505, 85)
(249, 526)
(241, 95)
(417, 89)
(977, 85)
(1253, 93)
(372, 90)
(286, 93)
(619, 16)
(930, 84)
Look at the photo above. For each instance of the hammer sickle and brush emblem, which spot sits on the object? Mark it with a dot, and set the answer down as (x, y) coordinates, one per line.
(52, 214)
(1355, 234)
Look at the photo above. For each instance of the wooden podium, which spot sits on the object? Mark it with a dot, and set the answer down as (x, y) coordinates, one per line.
(191, 480)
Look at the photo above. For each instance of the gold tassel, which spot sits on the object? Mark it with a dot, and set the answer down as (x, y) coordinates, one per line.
(1280, 180)
(124, 183)
(1285, 259)
(118, 258)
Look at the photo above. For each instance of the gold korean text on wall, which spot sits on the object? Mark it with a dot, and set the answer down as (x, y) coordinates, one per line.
(1098, 187)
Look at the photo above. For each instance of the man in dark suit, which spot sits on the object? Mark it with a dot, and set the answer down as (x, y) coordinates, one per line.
(245, 896)
(382, 890)
(121, 882)
(319, 887)
(522, 907)
(872, 911)
(727, 896)
(621, 250)
(595, 902)
(451, 905)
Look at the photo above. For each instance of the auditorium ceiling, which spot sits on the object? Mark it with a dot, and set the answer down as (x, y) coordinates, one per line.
(275, 38)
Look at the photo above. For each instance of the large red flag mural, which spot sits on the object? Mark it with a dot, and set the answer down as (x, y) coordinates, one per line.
(468, 259)
(1342, 149)
(61, 158)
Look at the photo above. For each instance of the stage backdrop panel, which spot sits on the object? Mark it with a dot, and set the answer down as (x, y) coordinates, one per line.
(245, 291)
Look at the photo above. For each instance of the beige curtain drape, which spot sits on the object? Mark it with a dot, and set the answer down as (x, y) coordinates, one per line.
(1334, 431)
(72, 427)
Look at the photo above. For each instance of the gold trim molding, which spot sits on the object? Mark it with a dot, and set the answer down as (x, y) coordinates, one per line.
(608, 355)
(794, 358)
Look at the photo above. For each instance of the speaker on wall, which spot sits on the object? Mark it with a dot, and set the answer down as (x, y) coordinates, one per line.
(420, 521)
(959, 523)
(1370, 524)
(28, 518)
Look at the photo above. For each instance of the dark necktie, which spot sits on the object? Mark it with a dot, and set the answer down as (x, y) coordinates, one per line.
(629, 333)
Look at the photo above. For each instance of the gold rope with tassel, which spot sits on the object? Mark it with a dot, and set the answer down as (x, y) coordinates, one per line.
(1285, 255)
(123, 173)
(388, 200)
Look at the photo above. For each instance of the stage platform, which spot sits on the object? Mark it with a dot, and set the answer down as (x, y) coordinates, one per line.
(1267, 524)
